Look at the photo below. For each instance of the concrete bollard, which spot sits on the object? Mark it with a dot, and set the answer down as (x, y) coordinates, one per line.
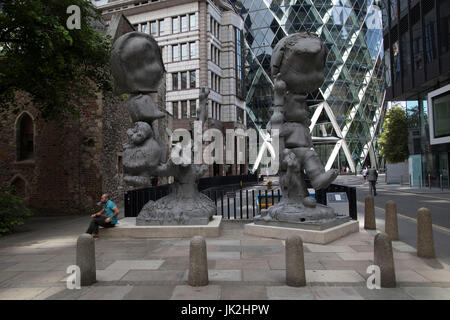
(425, 241)
(295, 262)
(86, 259)
(391, 224)
(369, 213)
(198, 263)
(384, 258)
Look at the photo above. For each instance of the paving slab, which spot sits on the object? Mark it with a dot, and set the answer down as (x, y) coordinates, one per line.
(184, 292)
(333, 276)
(33, 277)
(224, 255)
(29, 258)
(48, 293)
(410, 276)
(328, 248)
(157, 275)
(289, 293)
(111, 275)
(149, 293)
(382, 294)
(336, 293)
(435, 275)
(356, 256)
(106, 293)
(20, 293)
(243, 292)
(427, 293)
(135, 265)
(264, 276)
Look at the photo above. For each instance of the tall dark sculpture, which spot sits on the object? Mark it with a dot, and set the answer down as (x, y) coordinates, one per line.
(138, 69)
(297, 66)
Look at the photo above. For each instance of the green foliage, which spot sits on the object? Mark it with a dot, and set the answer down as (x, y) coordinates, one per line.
(394, 137)
(56, 66)
(13, 211)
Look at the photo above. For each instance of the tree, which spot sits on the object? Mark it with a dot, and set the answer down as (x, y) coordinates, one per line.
(58, 67)
(394, 137)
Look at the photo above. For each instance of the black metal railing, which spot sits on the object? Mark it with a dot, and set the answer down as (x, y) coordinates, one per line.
(232, 201)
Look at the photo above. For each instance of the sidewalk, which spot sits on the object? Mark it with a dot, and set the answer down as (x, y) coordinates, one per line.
(33, 264)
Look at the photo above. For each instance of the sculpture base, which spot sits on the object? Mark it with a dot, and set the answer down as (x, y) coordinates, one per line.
(127, 228)
(174, 210)
(325, 236)
(297, 212)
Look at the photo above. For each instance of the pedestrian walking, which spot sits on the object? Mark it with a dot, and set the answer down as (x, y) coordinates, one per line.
(372, 176)
(364, 173)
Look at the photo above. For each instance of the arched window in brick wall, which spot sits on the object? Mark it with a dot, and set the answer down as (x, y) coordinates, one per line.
(24, 137)
(20, 187)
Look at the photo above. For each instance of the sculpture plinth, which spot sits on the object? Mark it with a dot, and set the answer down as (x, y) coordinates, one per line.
(138, 69)
(297, 67)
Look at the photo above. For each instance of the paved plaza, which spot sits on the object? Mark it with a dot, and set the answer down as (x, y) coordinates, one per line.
(33, 265)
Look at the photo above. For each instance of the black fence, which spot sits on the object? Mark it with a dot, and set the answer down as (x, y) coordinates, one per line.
(232, 201)
(135, 200)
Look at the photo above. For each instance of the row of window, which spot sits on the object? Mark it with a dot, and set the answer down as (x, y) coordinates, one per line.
(216, 110)
(181, 80)
(186, 112)
(215, 54)
(214, 27)
(183, 23)
(215, 82)
(187, 50)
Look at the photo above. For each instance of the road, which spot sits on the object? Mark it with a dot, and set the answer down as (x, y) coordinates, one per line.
(408, 201)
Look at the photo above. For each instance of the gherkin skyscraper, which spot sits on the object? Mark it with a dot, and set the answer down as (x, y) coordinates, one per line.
(347, 110)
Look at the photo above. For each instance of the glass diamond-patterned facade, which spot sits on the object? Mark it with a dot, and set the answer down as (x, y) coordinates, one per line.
(347, 110)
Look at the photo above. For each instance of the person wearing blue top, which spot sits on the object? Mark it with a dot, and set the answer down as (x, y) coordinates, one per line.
(106, 218)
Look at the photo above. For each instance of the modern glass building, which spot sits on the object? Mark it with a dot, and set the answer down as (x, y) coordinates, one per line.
(347, 110)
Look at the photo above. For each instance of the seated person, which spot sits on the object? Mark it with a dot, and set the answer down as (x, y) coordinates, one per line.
(99, 219)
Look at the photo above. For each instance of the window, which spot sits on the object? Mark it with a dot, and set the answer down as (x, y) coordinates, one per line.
(153, 28)
(25, 138)
(184, 80)
(405, 53)
(387, 64)
(192, 22)
(175, 53)
(174, 81)
(193, 50)
(193, 108)
(445, 26)
(144, 27)
(396, 61)
(175, 25)
(417, 46)
(184, 24)
(430, 36)
(175, 110)
(161, 27)
(184, 113)
(239, 63)
(192, 79)
(240, 115)
(184, 51)
(394, 10)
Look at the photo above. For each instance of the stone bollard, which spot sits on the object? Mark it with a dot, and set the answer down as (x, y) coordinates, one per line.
(425, 241)
(198, 263)
(369, 213)
(295, 262)
(384, 258)
(86, 259)
(391, 224)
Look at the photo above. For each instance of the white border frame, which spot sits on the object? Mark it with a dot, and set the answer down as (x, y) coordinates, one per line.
(431, 95)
